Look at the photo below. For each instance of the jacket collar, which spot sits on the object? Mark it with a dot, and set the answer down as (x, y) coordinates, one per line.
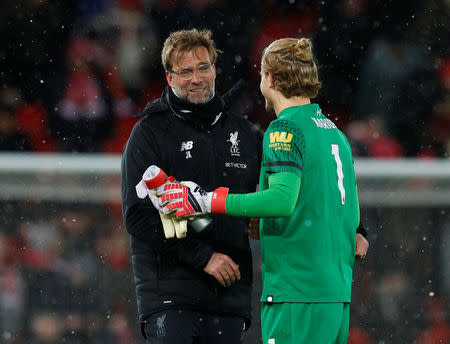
(162, 104)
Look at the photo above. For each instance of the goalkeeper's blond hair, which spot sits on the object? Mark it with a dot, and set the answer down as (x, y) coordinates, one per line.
(292, 64)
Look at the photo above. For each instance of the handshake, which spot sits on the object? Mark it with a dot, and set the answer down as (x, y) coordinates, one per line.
(180, 202)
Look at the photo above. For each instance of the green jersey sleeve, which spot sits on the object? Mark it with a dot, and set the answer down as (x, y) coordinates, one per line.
(278, 200)
(283, 148)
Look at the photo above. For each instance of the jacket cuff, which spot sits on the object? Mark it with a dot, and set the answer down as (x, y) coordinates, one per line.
(156, 181)
(219, 200)
(361, 230)
(194, 253)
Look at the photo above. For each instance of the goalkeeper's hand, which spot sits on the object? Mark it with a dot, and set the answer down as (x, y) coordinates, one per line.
(143, 190)
(187, 199)
(173, 226)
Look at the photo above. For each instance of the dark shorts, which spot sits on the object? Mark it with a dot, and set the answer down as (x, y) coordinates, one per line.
(188, 327)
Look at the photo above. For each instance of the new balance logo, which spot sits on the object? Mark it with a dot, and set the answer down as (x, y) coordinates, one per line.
(186, 145)
(283, 137)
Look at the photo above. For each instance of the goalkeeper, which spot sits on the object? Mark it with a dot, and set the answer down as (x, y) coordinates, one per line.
(308, 203)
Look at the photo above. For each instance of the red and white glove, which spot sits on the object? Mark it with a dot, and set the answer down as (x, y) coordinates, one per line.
(154, 181)
(189, 199)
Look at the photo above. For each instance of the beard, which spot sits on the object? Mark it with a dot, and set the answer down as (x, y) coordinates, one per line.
(200, 98)
(269, 105)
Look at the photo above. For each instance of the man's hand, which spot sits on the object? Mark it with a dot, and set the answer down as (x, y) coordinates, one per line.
(253, 228)
(362, 245)
(224, 270)
(188, 199)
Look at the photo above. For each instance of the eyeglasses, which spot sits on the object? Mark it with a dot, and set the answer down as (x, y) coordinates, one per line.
(203, 71)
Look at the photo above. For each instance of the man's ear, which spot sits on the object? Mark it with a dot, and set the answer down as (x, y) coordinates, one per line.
(271, 80)
(169, 79)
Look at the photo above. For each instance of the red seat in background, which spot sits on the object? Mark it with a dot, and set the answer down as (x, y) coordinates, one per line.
(32, 122)
(385, 147)
(122, 130)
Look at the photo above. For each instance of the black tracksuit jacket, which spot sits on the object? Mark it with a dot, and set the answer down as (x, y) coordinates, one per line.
(169, 273)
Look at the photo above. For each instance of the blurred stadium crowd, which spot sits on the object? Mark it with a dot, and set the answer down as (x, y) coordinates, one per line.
(73, 73)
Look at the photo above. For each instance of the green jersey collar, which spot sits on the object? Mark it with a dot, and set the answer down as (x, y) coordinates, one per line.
(302, 109)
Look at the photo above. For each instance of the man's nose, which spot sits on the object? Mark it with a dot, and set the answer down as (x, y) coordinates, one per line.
(195, 77)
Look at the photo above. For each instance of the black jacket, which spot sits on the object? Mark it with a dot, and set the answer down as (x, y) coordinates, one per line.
(169, 272)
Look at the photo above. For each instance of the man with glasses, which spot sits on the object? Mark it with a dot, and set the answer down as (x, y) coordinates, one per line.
(195, 289)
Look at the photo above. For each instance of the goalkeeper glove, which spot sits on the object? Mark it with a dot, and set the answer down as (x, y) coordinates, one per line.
(155, 180)
(173, 227)
(189, 199)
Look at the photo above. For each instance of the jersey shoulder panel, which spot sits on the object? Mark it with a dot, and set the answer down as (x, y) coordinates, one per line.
(283, 147)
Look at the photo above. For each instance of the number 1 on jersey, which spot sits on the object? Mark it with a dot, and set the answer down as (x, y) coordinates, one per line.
(335, 152)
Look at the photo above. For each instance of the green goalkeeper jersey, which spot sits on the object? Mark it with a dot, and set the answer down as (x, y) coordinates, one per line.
(309, 256)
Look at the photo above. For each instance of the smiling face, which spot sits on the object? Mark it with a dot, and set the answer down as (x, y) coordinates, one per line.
(199, 89)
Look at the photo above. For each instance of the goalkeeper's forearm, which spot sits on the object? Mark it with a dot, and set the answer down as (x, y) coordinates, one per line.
(278, 200)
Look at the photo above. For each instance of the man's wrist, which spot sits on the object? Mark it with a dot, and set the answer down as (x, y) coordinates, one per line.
(219, 200)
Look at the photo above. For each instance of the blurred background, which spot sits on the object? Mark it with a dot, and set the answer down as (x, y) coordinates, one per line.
(72, 74)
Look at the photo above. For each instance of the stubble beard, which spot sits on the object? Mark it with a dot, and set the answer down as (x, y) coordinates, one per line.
(183, 93)
(269, 105)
